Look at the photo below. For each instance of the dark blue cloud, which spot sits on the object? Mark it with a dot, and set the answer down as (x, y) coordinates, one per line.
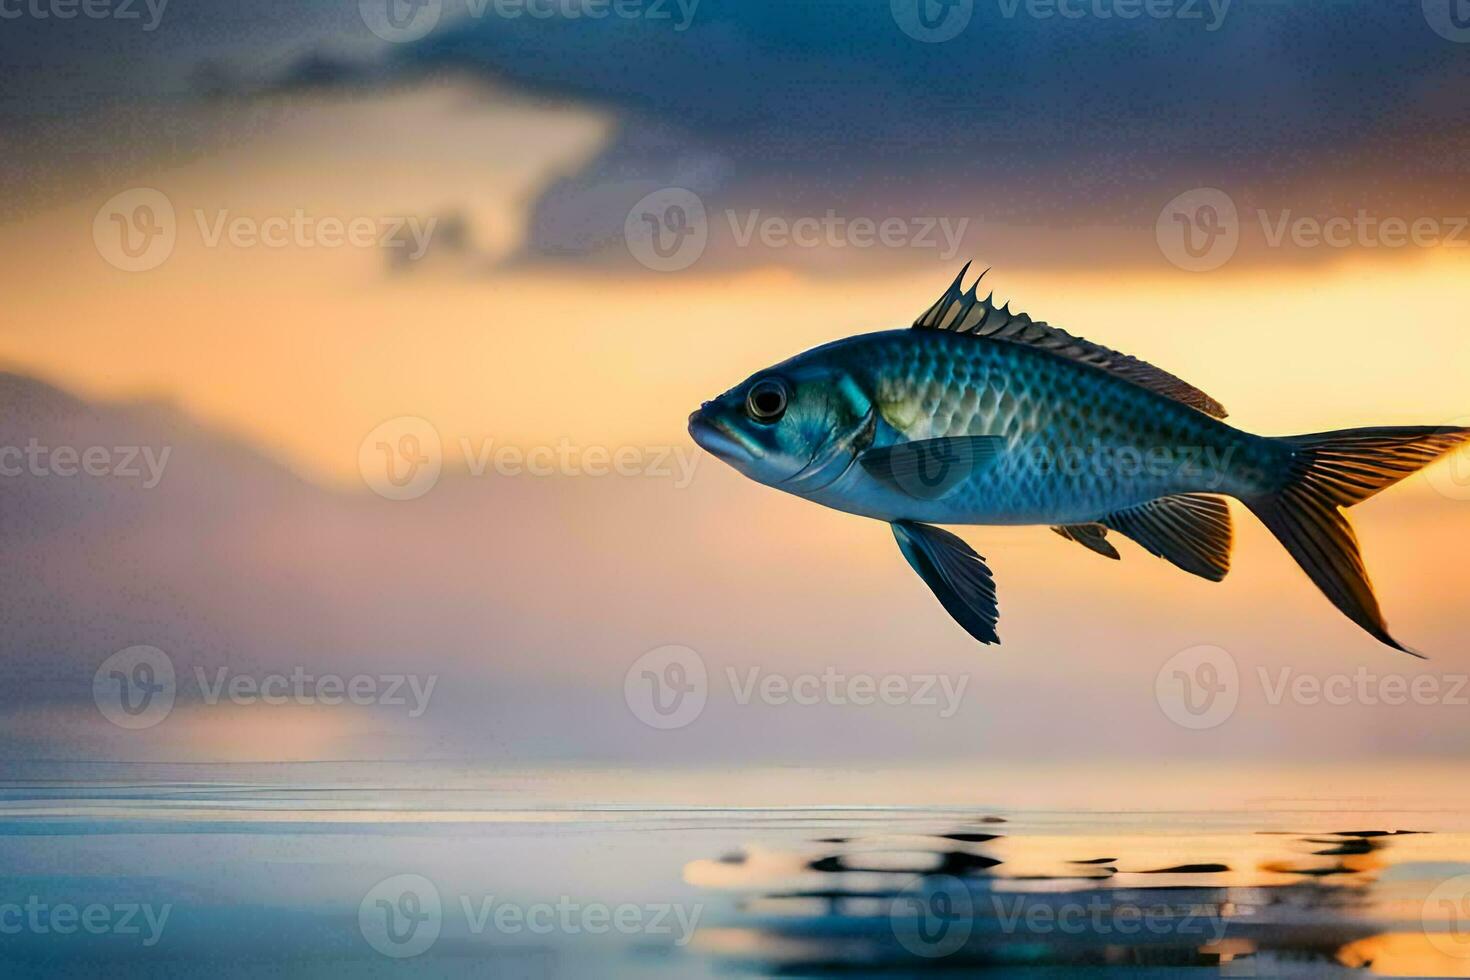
(1039, 122)
(1032, 126)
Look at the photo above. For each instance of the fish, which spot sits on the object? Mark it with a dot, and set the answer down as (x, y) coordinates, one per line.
(977, 415)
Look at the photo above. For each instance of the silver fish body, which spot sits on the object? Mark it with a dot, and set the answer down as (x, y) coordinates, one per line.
(1078, 442)
(977, 415)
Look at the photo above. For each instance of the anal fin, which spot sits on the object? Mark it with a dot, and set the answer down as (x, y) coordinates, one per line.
(1093, 537)
(1190, 530)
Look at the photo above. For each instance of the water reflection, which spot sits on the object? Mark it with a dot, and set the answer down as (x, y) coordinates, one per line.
(979, 895)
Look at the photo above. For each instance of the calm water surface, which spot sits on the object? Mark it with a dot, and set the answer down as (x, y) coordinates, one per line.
(367, 870)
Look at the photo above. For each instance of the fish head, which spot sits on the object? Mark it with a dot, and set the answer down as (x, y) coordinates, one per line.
(797, 426)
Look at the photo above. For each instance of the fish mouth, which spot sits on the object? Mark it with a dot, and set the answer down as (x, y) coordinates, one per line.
(716, 439)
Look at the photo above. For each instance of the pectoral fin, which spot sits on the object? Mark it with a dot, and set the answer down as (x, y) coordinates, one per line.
(957, 576)
(1191, 530)
(927, 469)
(1093, 537)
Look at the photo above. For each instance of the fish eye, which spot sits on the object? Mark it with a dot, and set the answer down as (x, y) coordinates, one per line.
(766, 400)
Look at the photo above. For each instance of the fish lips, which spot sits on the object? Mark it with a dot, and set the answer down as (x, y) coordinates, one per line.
(716, 439)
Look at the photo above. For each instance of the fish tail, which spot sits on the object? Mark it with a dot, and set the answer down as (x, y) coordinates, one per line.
(1327, 471)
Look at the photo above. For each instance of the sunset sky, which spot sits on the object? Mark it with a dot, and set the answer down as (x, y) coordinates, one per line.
(536, 326)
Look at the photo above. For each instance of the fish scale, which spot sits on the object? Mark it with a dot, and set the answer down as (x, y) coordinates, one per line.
(1062, 421)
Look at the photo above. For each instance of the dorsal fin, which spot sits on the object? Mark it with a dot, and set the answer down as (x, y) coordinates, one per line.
(962, 311)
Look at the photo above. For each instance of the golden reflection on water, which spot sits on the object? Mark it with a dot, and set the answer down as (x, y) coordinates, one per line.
(1246, 903)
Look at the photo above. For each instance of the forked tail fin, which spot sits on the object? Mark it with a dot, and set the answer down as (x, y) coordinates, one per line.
(1328, 471)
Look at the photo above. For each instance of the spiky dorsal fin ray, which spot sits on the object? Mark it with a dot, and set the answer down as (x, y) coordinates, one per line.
(963, 311)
